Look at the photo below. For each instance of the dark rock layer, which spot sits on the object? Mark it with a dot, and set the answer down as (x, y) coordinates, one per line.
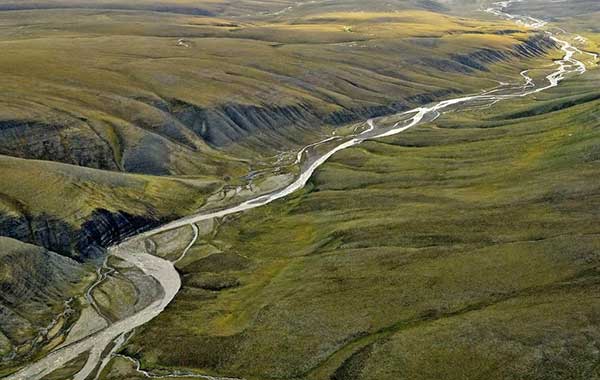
(88, 242)
(105, 228)
(265, 127)
(480, 59)
(70, 142)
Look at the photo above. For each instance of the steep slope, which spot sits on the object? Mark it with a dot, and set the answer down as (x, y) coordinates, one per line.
(35, 283)
(76, 211)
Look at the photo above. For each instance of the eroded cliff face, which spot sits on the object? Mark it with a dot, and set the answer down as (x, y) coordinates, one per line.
(68, 141)
(85, 243)
(34, 286)
(105, 228)
(41, 272)
(42, 230)
(234, 123)
(481, 59)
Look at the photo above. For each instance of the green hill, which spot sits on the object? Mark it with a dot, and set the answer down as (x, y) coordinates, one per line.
(460, 249)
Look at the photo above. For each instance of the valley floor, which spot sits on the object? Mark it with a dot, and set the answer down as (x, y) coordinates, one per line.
(465, 248)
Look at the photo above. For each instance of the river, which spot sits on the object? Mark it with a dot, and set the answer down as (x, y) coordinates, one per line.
(101, 345)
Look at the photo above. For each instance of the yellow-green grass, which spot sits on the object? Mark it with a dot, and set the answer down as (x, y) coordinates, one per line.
(462, 249)
(105, 77)
(92, 52)
(72, 193)
(114, 75)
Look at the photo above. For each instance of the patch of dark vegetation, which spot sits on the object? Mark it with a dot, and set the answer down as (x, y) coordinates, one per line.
(352, 367)
(507, 31)
(192, 351)
(363, 238)
(552, 106)
(592, 154)
(189, 296)
(209, 281)
(218, 263)
(576, 360)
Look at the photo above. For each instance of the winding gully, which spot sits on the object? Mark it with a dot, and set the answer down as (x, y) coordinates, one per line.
(104, 344)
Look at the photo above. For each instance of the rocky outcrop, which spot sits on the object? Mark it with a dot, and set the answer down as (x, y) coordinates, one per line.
(34, 284)
(480, 59)
(231, 123)
(69, 142)
(42, 230)
(105, 228)
(535, 46)
(161, 133)
(88, 242)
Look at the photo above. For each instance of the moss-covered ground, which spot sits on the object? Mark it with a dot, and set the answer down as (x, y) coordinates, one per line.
(466, 248)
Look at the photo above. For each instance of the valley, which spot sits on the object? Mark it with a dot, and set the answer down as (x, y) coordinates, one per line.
(258, 253)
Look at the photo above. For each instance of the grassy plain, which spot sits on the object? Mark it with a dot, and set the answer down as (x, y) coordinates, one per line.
(462, 249)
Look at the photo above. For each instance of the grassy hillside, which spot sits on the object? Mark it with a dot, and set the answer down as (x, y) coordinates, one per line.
(155, 93)
(79, 191)
(209, 99)
(49, 204)
(118, 115)
(462, 249)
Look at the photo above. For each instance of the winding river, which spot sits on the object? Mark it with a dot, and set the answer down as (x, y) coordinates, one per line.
(102, 345)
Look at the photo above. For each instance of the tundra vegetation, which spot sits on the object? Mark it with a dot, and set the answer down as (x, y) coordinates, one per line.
(464, 248)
